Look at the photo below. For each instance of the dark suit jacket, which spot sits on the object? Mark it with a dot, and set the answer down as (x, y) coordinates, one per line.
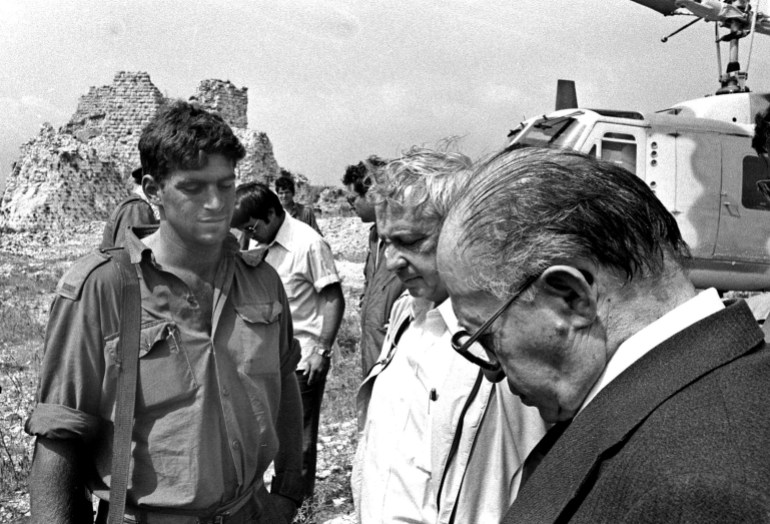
(683, 435)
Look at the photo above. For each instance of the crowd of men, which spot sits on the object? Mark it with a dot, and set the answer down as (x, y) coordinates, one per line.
(532, 349)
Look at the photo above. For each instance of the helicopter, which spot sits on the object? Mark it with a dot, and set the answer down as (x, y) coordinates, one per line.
(699, 157)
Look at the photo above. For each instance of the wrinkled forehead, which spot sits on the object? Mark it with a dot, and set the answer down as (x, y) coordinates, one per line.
(404, 215)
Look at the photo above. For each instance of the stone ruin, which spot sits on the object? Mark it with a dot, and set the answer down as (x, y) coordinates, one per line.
(81, 171)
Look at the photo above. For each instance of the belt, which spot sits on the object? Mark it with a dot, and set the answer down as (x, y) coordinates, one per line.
(222, 515)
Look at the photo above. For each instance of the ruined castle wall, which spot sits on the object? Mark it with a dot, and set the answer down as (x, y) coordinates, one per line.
(259, 164)
(229, 101)
(80, 172)
(116, 114)
(58, 183)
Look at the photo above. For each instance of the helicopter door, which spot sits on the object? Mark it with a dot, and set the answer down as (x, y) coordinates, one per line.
(744, 226)
(698, 186)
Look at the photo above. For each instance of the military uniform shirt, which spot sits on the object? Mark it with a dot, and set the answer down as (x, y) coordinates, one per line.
(207, 402)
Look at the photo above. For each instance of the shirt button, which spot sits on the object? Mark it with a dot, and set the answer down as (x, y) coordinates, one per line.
(236, 444)
(225, 392)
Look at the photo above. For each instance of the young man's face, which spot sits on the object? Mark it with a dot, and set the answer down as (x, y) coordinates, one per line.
(197, 205)
(363, 208)
(285, 196)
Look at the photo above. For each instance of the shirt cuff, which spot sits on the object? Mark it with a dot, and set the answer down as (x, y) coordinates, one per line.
(325, 281)
(59, 422)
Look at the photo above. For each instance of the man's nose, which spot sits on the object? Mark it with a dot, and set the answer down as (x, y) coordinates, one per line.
(215, 198)
(393, 259)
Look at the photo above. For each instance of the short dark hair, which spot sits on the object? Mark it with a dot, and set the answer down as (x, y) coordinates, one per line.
(137, 174)
(530, 208)
(359, 175)
(254, 200)
(284, 183)
(181, 136)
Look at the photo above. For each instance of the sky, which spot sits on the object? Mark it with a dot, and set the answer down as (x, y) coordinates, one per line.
(334, 81)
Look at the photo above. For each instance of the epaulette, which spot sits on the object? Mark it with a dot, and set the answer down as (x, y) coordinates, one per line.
(71, 283)
(254, 257)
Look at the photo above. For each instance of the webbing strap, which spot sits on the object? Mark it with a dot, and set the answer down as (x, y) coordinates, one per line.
(128, 362)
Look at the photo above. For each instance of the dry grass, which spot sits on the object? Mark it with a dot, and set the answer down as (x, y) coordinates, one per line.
(30, 266)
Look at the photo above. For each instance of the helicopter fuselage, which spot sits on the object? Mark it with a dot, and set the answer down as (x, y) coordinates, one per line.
(697, 158)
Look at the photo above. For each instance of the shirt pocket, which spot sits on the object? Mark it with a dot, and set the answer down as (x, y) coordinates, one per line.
(259, 328)
(164, 377)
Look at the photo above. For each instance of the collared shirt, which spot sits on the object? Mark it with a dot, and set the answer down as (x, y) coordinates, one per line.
(635, 347)
(397, 475)
(305, 263)
(439, 443)
(207, 397)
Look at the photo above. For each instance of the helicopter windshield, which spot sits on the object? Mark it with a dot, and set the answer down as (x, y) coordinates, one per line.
(552, 132)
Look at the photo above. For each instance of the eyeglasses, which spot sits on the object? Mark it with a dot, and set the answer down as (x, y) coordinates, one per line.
(471, 348)
(249, 229)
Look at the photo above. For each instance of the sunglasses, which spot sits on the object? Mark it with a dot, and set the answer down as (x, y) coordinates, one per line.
(249, 229)
(470, 347)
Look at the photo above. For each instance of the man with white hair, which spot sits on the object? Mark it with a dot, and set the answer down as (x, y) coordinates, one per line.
(567, 273)
(439, 444)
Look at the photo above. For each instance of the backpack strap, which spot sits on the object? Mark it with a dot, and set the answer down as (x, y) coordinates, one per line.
(128, 363)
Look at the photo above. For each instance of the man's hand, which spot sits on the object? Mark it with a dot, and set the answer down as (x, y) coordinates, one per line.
(284, 506)
(317, 367)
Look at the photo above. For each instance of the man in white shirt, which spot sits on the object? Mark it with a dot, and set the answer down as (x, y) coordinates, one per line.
(304, 261)
(438, 443)
(568, 275)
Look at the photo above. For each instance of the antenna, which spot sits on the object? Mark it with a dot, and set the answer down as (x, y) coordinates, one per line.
(751, 40)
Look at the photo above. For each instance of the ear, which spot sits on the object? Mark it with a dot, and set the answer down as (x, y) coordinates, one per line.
(574, 291)
(151, 189)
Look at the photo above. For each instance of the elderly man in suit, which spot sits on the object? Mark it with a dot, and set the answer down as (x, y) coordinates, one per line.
(567, 274)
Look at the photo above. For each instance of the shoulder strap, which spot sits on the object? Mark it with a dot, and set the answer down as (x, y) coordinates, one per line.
(128, 362)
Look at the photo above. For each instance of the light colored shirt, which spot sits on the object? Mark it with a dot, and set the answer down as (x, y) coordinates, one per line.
(635, 347)
(438, 442)
(305, 263)
(399, 432)
(207, 399)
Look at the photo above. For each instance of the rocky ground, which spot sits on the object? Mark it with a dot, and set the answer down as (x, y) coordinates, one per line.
(48, 253)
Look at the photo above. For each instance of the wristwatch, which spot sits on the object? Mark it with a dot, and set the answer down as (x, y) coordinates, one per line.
(324, 351)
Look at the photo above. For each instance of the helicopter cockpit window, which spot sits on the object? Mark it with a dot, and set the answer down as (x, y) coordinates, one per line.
(620, 149)
(552, 132)
(755, 182)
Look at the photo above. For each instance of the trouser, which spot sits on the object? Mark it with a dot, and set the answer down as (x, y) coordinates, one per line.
(312, 395)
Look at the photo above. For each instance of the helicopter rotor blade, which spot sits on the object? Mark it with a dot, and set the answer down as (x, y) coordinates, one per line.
(664, 7)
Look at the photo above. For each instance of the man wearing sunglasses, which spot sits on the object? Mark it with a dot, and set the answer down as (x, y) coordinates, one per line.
(305, 263)
(439, 444)
(567, 274)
